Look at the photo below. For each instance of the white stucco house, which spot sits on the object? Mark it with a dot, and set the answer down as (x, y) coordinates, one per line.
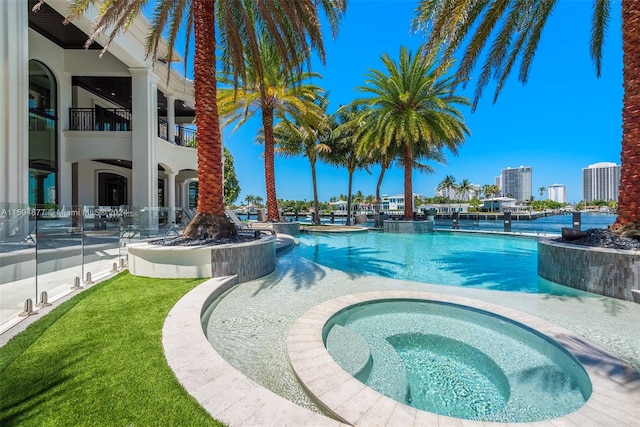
(82, 130)
(500, 204)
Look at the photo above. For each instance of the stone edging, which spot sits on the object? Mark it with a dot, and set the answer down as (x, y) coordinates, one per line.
(610, 272)
(223, 391)
(392, 226)
(615, 399)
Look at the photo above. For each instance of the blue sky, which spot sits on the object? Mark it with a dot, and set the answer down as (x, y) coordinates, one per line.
(561, 121)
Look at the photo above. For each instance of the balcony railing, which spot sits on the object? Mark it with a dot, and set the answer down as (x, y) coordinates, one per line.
(100, 119)
(186, 137)
(183, 136)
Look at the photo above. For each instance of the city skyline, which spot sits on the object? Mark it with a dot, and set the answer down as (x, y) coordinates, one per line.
(562, 120)
(559, 189)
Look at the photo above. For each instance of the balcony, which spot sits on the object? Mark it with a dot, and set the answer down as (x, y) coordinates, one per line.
(100, 119)
(183, 136)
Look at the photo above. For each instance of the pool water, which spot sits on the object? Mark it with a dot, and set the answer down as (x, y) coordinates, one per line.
(461, 362)
(455, 259)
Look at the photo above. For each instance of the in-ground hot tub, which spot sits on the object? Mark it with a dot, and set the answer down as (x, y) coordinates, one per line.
(457, 361)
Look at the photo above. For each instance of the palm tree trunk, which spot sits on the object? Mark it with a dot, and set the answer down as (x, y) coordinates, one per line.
(316, 214)
(210, 220)
(628, 214)
(269, 165)
(348, 222)
(408, 183)
(378, 201)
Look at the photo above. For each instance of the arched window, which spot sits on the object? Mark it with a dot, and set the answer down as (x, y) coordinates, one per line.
(43, 135)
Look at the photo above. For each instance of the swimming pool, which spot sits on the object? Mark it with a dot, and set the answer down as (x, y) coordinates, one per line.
(455, 259)
(457, 361)
(249, 326)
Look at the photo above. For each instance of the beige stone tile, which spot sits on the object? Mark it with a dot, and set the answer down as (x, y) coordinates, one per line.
(378, 415)
(358, 404)
(402, 415)
(425, 419)
(337, 397)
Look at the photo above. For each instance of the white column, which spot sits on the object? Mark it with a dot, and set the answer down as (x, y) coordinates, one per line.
(14, 93)
(144, 129)
(171, 196)
(171, 118)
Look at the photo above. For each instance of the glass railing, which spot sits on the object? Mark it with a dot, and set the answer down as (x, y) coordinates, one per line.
(47, 251)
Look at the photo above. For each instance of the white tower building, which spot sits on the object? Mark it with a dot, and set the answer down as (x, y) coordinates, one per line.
(600, 181)
(516, 182)
(557, 193)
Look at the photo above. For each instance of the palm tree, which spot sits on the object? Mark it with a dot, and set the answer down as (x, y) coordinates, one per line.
(370, 201)
(344, 147)
(384, 158)
(412, 109)
(465, 188)
(306, 135)
(270, 87)
(358, 200)
(518, 27)
(353, 120)
(293, 27)
(484, 191)
(541, 190)
(447, 184)
(492, 191)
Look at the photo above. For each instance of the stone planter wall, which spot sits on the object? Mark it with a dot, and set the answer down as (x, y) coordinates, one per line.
(610, 272)
(290, 228)
(248, 260)
(414, 227)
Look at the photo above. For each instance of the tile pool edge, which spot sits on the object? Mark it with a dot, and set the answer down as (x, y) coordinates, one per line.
(615, 399)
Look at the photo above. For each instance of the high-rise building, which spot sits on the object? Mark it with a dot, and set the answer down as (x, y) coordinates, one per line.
(600, 181)
(516, 182)
(557, 193)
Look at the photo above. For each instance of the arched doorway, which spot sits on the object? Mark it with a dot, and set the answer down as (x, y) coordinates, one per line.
(112, 189)
(43, 135)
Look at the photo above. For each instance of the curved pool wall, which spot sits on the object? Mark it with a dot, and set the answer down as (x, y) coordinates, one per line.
(459, 361)
(610, 272)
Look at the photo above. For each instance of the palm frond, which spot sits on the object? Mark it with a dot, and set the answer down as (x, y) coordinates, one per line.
(601, 13)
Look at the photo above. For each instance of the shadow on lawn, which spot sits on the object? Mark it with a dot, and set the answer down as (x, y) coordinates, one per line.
(30, 383)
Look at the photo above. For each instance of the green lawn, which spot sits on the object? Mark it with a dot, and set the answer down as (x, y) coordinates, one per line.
(97, 360)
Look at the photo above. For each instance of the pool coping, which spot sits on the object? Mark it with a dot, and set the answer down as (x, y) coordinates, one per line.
(223, 391)
(615, 399)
